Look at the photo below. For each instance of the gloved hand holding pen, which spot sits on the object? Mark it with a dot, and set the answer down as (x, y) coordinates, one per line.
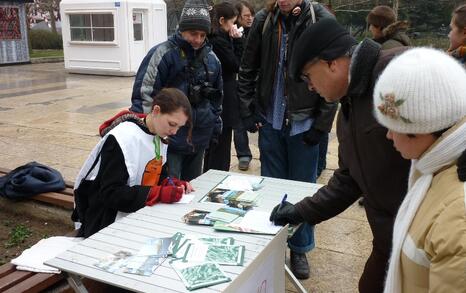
(285, 213)
(172, 181)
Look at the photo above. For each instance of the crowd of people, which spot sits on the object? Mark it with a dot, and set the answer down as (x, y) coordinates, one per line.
(284, 72)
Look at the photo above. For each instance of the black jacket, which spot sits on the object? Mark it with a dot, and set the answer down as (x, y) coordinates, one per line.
(228, 51)
(259, 64)
(369, 165)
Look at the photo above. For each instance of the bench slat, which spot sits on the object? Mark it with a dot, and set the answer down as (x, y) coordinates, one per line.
(7, 269)
(58, 199)
(13, 278)
(36, 283)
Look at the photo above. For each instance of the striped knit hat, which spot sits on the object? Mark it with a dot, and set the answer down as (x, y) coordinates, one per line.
(195, 16)
(421, 91)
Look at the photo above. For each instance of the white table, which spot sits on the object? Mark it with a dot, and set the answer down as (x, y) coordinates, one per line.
(264, 256)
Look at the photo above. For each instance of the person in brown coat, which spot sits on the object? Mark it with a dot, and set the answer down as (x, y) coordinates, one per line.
(386, 29)
(369, 166)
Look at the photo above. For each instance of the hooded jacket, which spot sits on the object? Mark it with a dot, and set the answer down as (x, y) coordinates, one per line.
(166, 66)
(259, 64)
(394, 36)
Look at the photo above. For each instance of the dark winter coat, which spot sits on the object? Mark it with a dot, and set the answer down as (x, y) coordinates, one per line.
(166, 66)
(260, 62)
(394, 36)
(369, 165)
(228, 51)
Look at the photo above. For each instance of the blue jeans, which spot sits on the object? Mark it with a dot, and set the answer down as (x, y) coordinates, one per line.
(287, 157)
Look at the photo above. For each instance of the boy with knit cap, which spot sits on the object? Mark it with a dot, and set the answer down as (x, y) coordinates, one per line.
(185, 61)
(421, 99)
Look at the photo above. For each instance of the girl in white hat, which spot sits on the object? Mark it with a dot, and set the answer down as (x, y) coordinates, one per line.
(421, 99)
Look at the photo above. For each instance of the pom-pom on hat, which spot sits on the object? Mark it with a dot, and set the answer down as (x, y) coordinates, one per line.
(195, 16)
(421, 91)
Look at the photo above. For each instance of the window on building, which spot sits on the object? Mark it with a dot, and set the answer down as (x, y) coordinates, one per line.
(137, 26)
(92, 27)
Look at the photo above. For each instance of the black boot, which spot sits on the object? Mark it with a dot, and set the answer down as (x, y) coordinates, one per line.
(299, 265)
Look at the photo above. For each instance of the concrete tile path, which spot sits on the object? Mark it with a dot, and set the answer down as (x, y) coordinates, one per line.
(52, 117)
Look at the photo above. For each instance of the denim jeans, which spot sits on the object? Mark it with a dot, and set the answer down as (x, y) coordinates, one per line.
(242, 143)
(185, 167)
(287, 157)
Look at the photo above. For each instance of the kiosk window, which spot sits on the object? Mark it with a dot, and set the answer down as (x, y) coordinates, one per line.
(137, 26)
(92, 27)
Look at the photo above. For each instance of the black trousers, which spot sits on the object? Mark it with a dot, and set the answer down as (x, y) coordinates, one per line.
(373, 276)
(218, 156)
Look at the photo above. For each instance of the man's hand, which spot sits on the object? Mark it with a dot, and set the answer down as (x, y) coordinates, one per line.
(251, 123)
(312, 136)
(285, 213)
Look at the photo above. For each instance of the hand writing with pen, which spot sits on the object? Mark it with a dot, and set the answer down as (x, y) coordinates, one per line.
(171, 190)
(285, 213)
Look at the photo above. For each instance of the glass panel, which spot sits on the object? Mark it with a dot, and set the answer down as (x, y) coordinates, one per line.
(137, 26)
(81, 34)
(102, 20)
(80, 20)
(103, 34)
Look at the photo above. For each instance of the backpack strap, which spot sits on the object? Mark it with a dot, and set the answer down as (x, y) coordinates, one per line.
(313, 13)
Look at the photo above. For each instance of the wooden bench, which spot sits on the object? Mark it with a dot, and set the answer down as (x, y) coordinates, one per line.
(63, 198)
(14, 281)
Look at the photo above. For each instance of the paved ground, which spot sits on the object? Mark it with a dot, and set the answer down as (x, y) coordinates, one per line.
(52, 117)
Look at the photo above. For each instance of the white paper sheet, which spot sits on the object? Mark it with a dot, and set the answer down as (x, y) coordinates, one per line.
(32, 259)
(241, 183)
(259, 221)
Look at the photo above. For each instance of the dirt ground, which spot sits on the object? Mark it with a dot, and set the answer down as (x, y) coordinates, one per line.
(19, 231)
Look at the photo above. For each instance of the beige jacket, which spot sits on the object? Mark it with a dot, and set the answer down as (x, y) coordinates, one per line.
(433, 257)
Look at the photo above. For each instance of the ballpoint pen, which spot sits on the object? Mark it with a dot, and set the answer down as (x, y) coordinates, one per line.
(282, 202)
(170, 181)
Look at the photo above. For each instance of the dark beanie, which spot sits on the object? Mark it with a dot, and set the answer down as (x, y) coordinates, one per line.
(326, 40)
(195, 16)
(381, 16)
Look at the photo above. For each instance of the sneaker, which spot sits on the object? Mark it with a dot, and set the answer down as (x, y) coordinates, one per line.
(243, 164)
(299, 265)
(361, 201)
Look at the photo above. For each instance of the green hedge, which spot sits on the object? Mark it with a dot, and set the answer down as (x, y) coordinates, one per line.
(42, 39)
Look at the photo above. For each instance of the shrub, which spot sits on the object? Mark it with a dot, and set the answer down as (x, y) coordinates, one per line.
(42, 39)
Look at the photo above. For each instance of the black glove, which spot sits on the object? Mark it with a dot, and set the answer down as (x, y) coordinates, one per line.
(312, 136)
(285, 213)
(462, 167)
(250, 123)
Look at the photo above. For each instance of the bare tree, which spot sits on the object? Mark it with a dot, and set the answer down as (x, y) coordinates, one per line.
(396, 5)
(50, 10)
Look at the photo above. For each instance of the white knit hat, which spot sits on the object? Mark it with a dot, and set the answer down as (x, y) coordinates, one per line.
(421, 91)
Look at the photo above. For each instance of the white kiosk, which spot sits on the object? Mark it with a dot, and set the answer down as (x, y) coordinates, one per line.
(110, 37)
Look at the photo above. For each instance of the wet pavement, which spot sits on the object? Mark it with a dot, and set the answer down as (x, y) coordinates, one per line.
(52, 117)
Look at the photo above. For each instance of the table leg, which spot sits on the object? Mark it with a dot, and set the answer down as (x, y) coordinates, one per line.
(75, 282)
(294, 280)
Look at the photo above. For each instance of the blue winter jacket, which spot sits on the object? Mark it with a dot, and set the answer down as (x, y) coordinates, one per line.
(166, 66)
